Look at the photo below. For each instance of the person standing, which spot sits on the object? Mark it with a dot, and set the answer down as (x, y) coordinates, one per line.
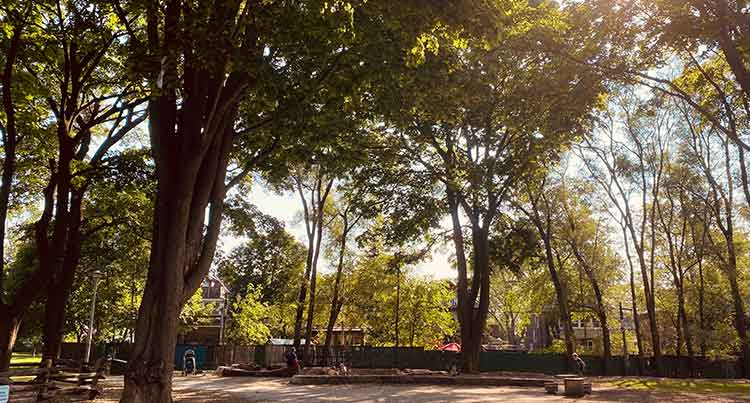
(580, 364)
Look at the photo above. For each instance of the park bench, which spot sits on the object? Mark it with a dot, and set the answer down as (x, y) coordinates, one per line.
(53, 382)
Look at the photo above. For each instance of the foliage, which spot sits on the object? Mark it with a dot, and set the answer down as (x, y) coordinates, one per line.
(248, 316)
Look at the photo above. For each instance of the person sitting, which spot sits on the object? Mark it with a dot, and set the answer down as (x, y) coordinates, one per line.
(291, 360)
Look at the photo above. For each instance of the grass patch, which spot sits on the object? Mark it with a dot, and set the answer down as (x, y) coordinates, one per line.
(25, 358)
(690, 386)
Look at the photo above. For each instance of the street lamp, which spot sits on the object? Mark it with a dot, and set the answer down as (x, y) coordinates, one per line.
(95, 278)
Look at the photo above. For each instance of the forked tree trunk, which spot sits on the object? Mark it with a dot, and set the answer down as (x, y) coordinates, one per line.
(319, 199)
(472, 318)
(61, 285)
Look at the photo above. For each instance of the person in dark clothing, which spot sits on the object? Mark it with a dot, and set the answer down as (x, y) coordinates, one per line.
(291, 359)
(580, 364)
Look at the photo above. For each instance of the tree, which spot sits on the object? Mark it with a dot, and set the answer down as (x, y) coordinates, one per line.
(635, 167)
(16, 22)
(201, 62)
(83, 91)
(347, 219)
(463, 123)
(270, 258)
(588, 238)
(248, 315)
(541, 212)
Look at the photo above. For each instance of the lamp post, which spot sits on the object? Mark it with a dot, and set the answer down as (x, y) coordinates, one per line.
(95, 278)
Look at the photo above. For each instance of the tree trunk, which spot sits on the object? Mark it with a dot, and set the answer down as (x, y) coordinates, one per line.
(335, 303)
(636, 319)
(469, 352)
(544, 227)
(59, 289)
(701, 309)
(10, 142)
(302, 296)
(190, 185)
(739, 314)
(562, 301)
(687, 334)
(601, 309)
(9, 324)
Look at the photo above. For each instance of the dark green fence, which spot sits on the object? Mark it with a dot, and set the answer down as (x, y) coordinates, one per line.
(490, 361)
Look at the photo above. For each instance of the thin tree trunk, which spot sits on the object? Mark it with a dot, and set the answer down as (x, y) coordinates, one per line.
(544, 227)
(321, 200)
(335, 303)
(636, 319)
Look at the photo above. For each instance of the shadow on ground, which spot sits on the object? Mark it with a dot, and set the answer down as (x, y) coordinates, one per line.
(209, 388)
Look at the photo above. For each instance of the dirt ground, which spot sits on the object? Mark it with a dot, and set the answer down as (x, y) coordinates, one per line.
(209, 388)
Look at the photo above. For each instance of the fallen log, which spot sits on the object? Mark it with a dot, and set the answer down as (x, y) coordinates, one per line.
(274, 373)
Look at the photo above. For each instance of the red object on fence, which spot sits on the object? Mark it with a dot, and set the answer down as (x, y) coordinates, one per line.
(451, 347)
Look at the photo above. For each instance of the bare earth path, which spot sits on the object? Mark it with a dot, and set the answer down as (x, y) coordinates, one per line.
(209, 388)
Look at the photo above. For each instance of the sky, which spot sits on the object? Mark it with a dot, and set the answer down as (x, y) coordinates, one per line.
(286, 207)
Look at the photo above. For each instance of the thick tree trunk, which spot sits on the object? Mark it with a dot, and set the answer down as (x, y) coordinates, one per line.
(739, 314)
(469, 349)
(183, 246)
(9, 324)
(149, 375)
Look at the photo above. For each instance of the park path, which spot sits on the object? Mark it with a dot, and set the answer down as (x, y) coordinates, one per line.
(209, 388)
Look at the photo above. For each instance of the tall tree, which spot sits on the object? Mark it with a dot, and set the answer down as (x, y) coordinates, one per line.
(477, 139)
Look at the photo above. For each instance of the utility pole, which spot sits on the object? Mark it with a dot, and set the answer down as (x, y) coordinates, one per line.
(625, 357)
